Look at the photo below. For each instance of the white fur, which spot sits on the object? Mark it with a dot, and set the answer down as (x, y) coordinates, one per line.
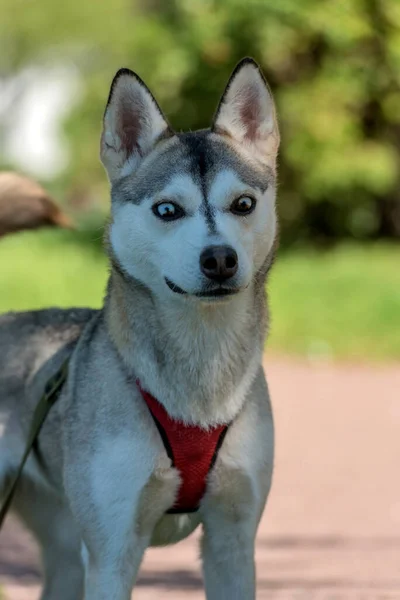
(251, 236)
(151, 250)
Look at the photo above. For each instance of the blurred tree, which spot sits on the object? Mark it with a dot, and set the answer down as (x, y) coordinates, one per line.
(334, 68)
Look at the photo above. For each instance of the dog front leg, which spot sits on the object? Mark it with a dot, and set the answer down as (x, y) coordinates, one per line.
(228, 562)
(111, 576)
(230, 520)
(113, 548)
(111, 570)
(116, 512)
(104, 497)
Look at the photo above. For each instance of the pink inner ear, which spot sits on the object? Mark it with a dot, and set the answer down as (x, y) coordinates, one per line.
(129, 124)
(250, 110)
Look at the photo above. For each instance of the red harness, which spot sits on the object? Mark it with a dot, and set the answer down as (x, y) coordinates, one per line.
(193, 452)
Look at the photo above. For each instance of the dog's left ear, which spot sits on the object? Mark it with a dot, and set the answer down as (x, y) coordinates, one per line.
(133, 124)
(246, 112)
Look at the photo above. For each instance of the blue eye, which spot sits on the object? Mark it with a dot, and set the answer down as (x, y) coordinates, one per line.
(168, 211)
(243, 205)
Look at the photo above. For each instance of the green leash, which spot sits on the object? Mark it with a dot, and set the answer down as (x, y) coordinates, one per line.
(50, 396)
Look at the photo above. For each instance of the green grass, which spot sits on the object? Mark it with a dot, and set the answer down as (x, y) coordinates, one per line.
(51, 268)
(341, 304)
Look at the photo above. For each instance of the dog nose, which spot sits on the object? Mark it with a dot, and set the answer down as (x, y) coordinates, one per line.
(219, 263)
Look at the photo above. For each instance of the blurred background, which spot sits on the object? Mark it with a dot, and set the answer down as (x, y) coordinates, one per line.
(334, 68)
(332, 527)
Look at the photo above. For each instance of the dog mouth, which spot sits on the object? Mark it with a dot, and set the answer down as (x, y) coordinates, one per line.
(219, 292)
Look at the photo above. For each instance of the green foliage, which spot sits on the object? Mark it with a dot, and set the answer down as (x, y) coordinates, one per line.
(338, 304)
(334, 68)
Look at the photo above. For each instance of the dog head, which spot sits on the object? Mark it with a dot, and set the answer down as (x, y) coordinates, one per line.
(193, 214)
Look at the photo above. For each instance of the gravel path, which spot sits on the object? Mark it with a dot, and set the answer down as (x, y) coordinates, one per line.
(332, 527)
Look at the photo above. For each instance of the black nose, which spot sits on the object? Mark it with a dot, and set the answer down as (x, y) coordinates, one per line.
(219, 263)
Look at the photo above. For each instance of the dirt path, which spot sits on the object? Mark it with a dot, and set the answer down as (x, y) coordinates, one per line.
(332, 527)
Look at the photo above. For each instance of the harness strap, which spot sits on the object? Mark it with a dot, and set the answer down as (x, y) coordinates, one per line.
(192, 450)
(49, 397)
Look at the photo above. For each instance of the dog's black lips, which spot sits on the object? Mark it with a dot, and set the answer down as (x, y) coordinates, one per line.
(216, 292)
(175, 288)
(213, 293)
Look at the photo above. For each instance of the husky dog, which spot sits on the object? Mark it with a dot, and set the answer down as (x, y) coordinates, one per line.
(190, 240)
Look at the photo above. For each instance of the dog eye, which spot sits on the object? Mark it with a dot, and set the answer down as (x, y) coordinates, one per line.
(243, 205)
(168, 211)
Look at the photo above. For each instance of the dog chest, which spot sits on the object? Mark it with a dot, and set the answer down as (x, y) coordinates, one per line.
(192, 450)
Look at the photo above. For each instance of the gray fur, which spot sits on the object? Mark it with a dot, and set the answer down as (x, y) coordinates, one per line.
(202, 154)
(100, 479)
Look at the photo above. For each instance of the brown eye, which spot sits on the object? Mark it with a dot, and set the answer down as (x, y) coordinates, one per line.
(243, 205)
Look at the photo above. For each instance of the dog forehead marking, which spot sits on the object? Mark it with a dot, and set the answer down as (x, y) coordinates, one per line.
(195, 157)
(201, 163)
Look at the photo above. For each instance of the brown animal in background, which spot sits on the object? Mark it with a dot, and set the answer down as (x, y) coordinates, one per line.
(24, 204)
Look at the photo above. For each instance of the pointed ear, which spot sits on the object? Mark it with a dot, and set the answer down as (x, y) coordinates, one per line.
(246, 112)
(133, 123)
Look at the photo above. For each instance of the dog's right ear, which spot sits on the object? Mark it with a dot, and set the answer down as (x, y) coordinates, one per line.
(133, 123)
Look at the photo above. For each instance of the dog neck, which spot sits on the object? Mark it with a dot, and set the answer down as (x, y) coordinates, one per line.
(198, 360)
